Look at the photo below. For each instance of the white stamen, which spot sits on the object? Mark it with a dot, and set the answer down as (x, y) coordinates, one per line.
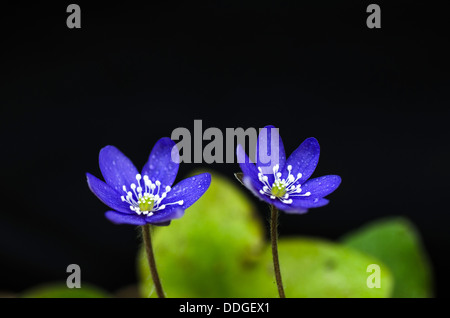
(288, 184)
(146, 192)
(275, 168)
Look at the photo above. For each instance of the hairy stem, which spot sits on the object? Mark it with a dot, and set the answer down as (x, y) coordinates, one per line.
(151, 260)
(274, 240)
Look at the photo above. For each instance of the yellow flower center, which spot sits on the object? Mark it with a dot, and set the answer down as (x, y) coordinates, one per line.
(278, 189)
(146, 203)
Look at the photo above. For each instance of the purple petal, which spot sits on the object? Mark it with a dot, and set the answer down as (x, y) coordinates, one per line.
(306, 204)
(322, 186)
(304, 159)
(116, 168)
(189, 190)
(106, 194)
(248, 168)
(121, 218)
(163, 162)
(268, 153)
(300, 205)
(161, 217)
(289, 208)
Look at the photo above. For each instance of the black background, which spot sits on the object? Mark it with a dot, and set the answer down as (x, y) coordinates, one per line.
(376, 99)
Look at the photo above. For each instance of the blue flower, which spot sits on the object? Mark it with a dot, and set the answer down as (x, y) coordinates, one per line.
(284, 182)
(146, 197)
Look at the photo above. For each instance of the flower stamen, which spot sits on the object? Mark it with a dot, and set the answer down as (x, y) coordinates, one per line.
(147, 199)
(281, 189)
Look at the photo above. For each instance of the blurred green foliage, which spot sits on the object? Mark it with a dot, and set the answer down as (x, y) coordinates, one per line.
(218, 249)
(396, 242)
(60, 290)
(314, 268)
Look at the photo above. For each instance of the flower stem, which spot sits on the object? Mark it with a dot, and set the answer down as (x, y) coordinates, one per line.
(151, 260)
(274, 238)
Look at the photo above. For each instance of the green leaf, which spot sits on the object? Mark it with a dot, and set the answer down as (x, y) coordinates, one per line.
(60, 290)
(316, 268)
(397, 243)
(210, 250)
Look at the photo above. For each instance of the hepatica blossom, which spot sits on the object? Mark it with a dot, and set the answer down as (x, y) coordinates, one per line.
(283, 182)
(147, 197)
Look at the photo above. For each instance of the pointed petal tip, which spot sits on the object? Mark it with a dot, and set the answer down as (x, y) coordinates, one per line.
(208, 179)
(89, 178)
(322, 186)
(239, 149)
(163, 162)
(108, 148)
(338, 179)
(334, 179)
(205, 177)
(241, 156)
(312, 141)
(166, 141)
(190, 189)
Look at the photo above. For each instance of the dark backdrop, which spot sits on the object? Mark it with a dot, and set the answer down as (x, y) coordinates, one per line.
(376, 99)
